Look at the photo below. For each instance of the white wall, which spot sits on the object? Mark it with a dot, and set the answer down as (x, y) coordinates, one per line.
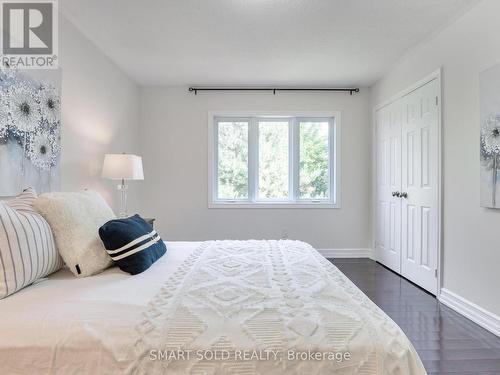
(471, 233)
(99, 114)
(174, 136)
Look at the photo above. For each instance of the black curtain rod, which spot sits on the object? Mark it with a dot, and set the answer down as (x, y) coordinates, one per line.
(273, 89)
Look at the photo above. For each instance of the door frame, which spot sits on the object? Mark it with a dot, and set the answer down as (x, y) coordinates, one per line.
(437, 74)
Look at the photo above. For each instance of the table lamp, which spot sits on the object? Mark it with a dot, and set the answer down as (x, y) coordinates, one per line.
(122, 167)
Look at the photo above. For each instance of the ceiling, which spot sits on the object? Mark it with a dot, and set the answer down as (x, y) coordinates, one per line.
(258, 42)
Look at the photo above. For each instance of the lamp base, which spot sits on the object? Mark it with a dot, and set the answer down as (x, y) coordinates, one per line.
(123, 200)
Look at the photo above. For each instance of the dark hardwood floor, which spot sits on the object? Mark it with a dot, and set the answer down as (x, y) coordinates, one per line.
(447, 342)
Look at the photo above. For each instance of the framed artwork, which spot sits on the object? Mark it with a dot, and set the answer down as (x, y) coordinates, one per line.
(30, 131)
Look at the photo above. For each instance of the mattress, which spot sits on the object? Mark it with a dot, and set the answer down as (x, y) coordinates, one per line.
(217, 307)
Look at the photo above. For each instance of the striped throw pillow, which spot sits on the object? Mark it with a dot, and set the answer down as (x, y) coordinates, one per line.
(132, 243)
(27, 248)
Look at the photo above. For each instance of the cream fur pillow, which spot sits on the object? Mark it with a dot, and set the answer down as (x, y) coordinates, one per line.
(75, 219)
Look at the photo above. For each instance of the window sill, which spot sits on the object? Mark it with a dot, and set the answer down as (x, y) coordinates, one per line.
(222, 204)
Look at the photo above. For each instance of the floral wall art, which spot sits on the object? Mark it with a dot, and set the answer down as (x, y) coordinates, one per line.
(489, 88)
(30, 128)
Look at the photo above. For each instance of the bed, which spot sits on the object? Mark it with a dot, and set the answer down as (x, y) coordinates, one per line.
(216, 307)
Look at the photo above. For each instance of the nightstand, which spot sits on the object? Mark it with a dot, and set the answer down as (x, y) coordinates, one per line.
(150, 221)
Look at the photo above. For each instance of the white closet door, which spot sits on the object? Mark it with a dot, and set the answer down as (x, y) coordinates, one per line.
(388, 240)
(420, 186)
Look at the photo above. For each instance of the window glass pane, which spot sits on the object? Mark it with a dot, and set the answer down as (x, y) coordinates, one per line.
(313, 160)
(233, 160)
(273, 159)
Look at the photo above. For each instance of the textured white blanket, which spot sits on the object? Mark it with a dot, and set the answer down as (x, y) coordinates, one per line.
(266, 307)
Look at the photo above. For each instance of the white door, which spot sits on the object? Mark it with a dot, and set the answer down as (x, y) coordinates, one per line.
(420, 173)
(407, 198)
(388, 241)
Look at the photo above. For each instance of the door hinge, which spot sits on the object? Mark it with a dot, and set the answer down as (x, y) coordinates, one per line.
(436, 273)
(437, 100)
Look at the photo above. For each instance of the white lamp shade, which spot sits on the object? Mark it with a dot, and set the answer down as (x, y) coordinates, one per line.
(122, 166)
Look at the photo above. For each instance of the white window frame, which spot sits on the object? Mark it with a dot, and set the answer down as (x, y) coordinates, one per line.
(253, 117)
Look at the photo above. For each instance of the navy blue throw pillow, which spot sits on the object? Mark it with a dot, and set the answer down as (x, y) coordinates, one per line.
(132, 243)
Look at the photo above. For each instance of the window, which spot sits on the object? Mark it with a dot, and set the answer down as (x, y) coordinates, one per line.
(232, 163)
(274, 160)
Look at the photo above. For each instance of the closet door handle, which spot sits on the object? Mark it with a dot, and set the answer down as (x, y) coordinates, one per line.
(404, 195)
(396, 194)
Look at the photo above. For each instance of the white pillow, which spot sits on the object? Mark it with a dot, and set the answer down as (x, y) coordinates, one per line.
(27, 249)
(75, 219)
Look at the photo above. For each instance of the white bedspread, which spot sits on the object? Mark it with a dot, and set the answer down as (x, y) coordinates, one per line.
(251, 305)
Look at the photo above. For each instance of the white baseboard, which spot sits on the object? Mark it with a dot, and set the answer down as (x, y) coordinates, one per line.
(470, 310)
(346, 253)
